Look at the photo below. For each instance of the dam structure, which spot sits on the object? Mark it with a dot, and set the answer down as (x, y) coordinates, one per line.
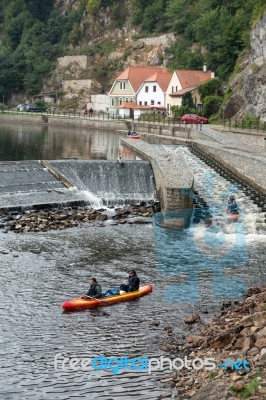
(38, 184)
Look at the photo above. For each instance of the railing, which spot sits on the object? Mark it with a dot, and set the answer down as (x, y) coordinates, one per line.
(157, 119)
(246, 124)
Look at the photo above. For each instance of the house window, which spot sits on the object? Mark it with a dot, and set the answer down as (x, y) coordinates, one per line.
(168, 107)
(126, 99)
(140, 103)
(112, 101)
(122, 85)
(172, 89)
(158, 102)
(176, 88)
(131, 100)
(152, 102)
(146, 89)
(154, 88)
(145, 103)
(120, 101)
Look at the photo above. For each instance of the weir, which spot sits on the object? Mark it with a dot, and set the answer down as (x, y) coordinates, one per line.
(75, 182)
(109, 181)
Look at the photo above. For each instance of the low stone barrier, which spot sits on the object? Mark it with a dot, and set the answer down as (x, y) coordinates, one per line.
(173, 179)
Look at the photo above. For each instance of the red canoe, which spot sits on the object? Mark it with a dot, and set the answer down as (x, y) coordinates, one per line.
(233, 217)
(83, 304)
(133, 136)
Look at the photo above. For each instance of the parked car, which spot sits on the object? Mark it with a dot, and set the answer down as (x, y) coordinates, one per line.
(21, 107)
(34, 108)
(193, 119)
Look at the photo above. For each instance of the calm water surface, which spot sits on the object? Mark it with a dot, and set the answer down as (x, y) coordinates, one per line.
(42, 270)
(42, 142)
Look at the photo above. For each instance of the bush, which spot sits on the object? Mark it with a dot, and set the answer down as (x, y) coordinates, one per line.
(211, 105)
(2, 107)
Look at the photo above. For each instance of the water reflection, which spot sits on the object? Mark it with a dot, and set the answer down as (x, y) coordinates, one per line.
(43, 142)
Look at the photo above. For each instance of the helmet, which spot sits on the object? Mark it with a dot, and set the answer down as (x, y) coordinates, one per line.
(232, 197)
(132, 272)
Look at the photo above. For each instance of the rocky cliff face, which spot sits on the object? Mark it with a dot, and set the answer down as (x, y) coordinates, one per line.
(249, 85)
(108, 49)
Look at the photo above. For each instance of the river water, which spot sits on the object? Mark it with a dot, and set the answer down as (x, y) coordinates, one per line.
(192, 270)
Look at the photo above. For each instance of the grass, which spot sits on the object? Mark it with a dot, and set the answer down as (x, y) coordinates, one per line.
(249, 390)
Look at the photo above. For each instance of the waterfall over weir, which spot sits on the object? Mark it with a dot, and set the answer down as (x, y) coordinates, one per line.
(109, 182)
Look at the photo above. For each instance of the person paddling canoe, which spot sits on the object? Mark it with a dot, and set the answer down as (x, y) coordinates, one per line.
(132, 283)
(95, 290)
(232, 205)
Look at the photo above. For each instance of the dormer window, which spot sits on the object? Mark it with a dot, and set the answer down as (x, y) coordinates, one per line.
(122, 85)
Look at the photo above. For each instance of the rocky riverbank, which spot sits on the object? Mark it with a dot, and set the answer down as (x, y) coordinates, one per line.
(238, 333)
(66, 217)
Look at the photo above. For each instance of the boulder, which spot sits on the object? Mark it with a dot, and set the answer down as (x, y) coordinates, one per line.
(221, 341)
(192, 318)
(212, 391)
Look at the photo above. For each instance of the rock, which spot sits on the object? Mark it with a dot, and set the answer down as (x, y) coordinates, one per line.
(243, 342)
(261, 338)
(236, 378)
(167, 347)
(221, 341)
(101, 217)
(259, 319)
(263, 354)
(212, 391)
(155, 323)
(253, 351)
(196, 341)
(138, 45)
(192, 318)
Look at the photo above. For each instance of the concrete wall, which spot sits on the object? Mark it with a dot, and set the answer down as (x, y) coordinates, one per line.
(106, 124)
(173, 179)
(67, 60)
(99, 102)
(75, 85)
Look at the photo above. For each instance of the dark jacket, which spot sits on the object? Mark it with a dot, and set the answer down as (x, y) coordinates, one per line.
(133, 281)
(95, 291)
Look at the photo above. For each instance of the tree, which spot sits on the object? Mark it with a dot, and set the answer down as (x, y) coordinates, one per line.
(210, 88)
(187, 100)
(211, 105)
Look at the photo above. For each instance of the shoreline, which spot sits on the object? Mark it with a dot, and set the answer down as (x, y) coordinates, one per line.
(237, 334)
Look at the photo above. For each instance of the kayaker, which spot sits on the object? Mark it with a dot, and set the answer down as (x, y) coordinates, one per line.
(95, 290)
(232, 206)
(132, 282)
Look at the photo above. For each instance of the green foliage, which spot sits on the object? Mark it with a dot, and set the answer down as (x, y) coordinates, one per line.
(183, 57)
(249, 390)
(210, 88)
(118, 14)
(150, 14)
(2, 107)
(211, 105)
(187, 100)
(93, 6)
(178, 112)
(34, 34)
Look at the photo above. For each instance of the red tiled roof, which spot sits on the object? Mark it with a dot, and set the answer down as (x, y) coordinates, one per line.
(162, 77)
(133, 105)
(192, 77)
(129, 105)
(183, 91)
(136, 75)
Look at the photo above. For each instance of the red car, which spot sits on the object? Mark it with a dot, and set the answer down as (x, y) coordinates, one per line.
(193, 119)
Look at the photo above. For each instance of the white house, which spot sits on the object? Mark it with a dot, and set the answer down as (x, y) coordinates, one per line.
(152, 92)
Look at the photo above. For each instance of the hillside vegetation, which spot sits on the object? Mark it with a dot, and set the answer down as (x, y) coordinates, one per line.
(33, 33)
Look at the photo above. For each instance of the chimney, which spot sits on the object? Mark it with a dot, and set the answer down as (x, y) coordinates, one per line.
(204, 67)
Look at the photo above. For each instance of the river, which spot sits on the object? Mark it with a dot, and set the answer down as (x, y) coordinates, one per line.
(40, 271)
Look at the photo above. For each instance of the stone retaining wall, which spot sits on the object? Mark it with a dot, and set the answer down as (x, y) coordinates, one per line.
(173, 179)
